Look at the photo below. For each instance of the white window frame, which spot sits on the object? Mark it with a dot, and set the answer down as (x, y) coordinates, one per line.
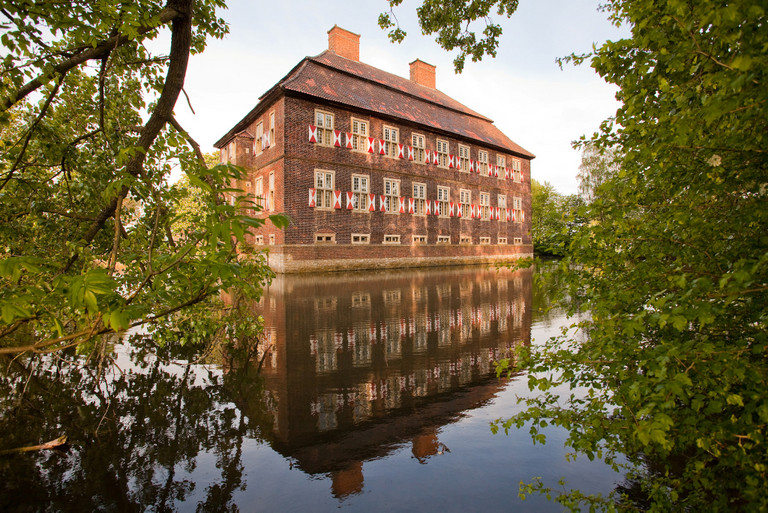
(360, 132)
(501, 201)
(442, 148)
(325, 238)
(271, 128)
(258, 192)
(272, 238)
(361, 186)
(485, 206)
(419, 148)
(517, 205)
(501, 162)
(391, 136)
(485, 241)
(360, 238)
(482, 161)
(518, 241)
(272, 191)
(391, 239)
(463, 158)
(443, 198)
(323, 118)
(466, 239)
(258, 240)
(443, 239)
(465, 200)
(324, 191)
(257, 146)
(419, 198)
(501, 240)
(516, 170)
(391, 195)
(419, 239)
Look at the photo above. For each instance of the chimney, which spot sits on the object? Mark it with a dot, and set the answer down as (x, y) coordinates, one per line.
(423, 73)
(344, 43)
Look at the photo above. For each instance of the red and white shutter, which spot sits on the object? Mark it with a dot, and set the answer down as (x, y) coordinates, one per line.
(350, 200)
(410, 153)
(349, 141)
(522, 216)
(496, 171)
(450, 209)
(336, 199)
(514, 216)
(312, 133)
(471, 166)
(383, 203)
(312, 197)
(401, 205)
(382, 148)
(450, 161)
(472, 211)
(337, 138)
(507, 212)
(458, 210)
(506, 173)
(371, 202)
(400, 151)
(435, 209)
(369, 146)
(435, 158)
(428, 209)
(411, 203)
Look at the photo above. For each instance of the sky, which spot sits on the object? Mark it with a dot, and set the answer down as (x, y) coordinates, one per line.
(535, 103)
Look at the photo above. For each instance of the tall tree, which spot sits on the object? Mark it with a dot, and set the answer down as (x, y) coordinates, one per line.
(674, 266)
(598, 164)
(87, 142)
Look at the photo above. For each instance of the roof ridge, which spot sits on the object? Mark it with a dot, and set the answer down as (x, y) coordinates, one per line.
(467, 111)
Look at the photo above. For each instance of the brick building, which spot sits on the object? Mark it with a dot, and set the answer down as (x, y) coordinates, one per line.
(378, 171)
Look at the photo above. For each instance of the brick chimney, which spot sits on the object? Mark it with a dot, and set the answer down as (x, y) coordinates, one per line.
(344, 43)
(423, 73)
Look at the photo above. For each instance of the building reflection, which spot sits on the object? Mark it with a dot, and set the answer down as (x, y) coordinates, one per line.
(362, 363)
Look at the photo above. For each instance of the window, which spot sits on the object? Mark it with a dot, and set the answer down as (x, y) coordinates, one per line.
(464, 158)
(516, 172)
(501, 162)
(485, 240)
(271, 141)
(271, 238)
(391, 239)
(501, 199)
(443, 239)
(390, 141)
(324, 187)
(271, 198)
(442, 153)
(232, 153)
(465, 198)
(482, 161)
(325, 237)
(419, 154)
(501, 240)
(517, 206)
(443, 197)
(258, 240)
(419, 198)
(359, 134)
(466, 239)
(324, 122)
(257, 144)
(361, 238)
(419, 239)
(359, 192)
(391, 194)
(485, 204)
(258, 192)
(518, 241)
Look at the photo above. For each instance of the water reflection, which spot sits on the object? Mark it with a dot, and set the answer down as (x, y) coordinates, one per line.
(366, 376)
(361, 363)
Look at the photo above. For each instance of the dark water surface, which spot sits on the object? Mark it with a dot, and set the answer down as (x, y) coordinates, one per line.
(377, 395)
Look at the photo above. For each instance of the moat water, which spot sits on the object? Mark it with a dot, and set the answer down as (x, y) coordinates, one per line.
(377, 394)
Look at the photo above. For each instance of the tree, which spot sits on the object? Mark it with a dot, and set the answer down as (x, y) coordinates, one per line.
(673, 268)
(554, 219)
(88, 143)
(597, 166)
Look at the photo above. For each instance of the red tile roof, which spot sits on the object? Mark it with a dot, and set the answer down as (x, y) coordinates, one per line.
(355, 84)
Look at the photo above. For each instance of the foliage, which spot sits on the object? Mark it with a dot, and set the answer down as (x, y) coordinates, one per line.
(451, 21)
(554, 219)
(674, 267)
(598, 164)
(88, 141)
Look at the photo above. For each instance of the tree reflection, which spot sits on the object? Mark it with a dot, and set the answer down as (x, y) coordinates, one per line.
(137, 432)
